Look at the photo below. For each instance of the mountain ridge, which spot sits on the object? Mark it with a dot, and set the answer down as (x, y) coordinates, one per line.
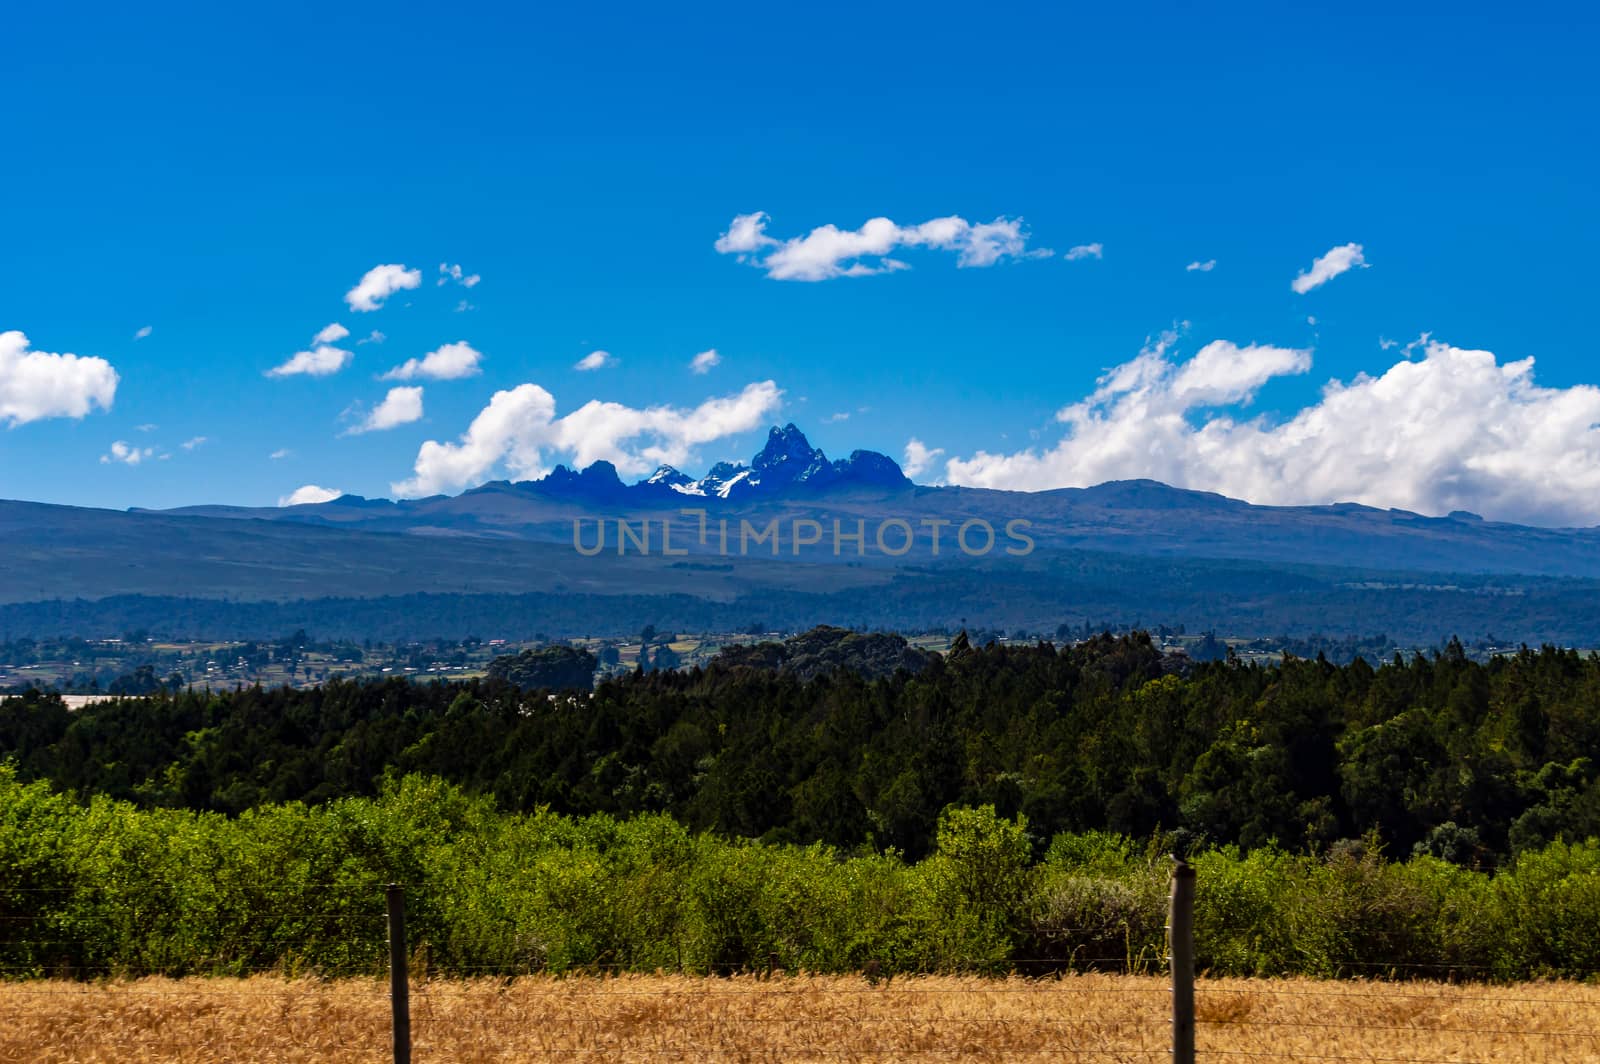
(506, 537)
(787, 461)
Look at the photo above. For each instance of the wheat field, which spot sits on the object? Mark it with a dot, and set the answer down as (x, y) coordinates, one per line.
(664, 1018)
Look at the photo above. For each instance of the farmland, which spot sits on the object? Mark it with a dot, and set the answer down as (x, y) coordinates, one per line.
(782, 1018)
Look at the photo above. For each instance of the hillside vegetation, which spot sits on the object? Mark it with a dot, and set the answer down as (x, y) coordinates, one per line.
(1473, 763)
(106, 888)
(1035, 594)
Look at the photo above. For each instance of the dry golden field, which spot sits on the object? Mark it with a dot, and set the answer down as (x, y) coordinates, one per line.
(684, 1018)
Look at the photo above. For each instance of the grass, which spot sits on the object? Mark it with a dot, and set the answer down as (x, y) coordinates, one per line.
(747, 1018)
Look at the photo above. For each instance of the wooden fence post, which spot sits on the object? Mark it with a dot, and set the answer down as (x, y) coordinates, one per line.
(1180, 950)
(399, 977)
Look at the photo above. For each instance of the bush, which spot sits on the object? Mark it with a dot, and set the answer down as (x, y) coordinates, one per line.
(104, 887)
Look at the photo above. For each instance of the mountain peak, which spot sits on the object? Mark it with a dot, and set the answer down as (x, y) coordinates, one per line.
(787, 453)
(596, 479)
(787, 461)
(668, 476)
(870, 467)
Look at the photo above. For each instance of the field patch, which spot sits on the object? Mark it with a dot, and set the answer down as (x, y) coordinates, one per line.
(787, 1018)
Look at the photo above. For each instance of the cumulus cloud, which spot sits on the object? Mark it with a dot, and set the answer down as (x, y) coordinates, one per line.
(1085, 251)
(126, 453)
(374, 337)
(401, 406)
(828, 251)
(281, 452)
(193, 442)
(919, 457)
(448, 363)
(331, 333)
(594, 360)
(379, 283)
(321, 361)
(1202, 267)
(705, 361)
(1326, 267)
(39, 384)
(309, 494)
(142, 332)
(746, 234)
(1452, 430)
(448, 273)
(519, 431)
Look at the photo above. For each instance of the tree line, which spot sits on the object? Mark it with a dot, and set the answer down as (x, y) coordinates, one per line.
(1432, 754)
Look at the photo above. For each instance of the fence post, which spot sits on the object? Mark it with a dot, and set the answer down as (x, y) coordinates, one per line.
(1180, 950)
(399, 978)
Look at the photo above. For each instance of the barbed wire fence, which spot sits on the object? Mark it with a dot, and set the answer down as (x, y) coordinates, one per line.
(378, 999)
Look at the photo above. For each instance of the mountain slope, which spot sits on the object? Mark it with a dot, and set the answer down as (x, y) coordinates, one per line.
(790, 480)
(795, 539)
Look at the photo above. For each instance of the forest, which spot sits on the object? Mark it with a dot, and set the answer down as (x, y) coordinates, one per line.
(1432, 754)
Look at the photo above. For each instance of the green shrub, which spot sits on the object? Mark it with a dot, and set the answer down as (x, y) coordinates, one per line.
(103, 887)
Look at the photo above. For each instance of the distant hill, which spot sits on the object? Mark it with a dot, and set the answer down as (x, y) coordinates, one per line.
(794, 535)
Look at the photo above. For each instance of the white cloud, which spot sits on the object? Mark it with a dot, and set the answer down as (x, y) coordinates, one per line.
(379, 283)
(705, 361)
(374, 337)
(919, 458)
(148, 426)
(594, 360)
(143, 331)
(321, 361)
(1329, 266)
(828, 251)
(126, 454)
(519, 429)
(1453, 430)
(401, 406)
(281, 452)
(192, 443)
(331, 333)
(39, 384)
(1085, 251)
(746, 234)
(448, 363)
(448, 273)
(309, 494)
(463, 306)
(1202, 267)
(843, 415)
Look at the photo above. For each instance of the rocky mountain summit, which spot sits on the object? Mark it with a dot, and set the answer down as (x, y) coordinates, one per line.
(787, 461)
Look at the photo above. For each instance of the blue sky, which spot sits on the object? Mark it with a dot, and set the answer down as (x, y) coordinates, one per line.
(226, 177)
